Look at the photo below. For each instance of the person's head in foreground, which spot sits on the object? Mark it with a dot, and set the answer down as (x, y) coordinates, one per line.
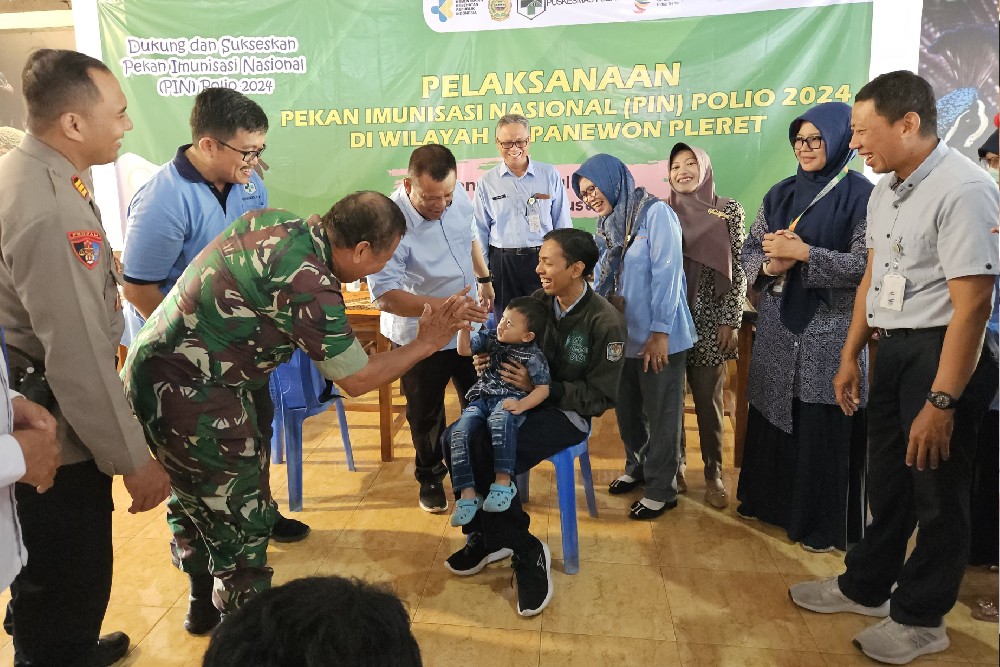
(317, 622)
(523, 321)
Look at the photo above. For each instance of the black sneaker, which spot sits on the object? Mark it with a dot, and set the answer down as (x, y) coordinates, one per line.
(289, 530)
(534, 579)
(432, 498)
(472, 558)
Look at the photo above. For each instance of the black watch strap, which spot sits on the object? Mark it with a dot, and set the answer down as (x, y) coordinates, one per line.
(485, 279)
(941, 400)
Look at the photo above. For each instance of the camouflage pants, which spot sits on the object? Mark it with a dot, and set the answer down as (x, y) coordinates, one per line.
(220, 512)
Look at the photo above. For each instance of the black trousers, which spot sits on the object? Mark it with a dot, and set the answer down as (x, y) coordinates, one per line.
(424, 386)
(58, 600)
(513, 276)
(545, 431)
(984, 507)
(901, 497)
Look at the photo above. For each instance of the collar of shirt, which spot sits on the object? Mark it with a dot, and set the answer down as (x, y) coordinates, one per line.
(505, 170)
(560, 313)
(904, 188)
(188, 171)
(41, 151)
(412, 215)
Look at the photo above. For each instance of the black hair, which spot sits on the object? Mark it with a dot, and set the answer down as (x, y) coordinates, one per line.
(896, 94)
(577, 246)
(222, 112)
(434, 160)
(56, 81)
(316, 622)
(364, 216)
(535, 312)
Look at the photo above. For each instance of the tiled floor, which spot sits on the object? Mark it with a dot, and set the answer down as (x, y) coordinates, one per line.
(696, 587)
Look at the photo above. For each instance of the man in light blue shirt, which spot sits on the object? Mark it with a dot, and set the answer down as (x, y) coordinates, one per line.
(193, 198)
(436, 258)
(517, 203)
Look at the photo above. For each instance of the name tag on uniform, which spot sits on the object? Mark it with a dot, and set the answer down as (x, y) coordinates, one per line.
(893, 289)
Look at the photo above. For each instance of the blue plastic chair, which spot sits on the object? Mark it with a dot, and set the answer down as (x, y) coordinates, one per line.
(566, 488)
(296, 388)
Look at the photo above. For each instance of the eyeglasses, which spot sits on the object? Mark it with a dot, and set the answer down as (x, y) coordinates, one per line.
(248, 156)
(814, 142)
(589, 193)
(507, 145)
(990, 161)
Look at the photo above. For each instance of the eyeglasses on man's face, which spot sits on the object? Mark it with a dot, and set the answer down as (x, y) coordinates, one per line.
(248, 156)
(507, 145)
(814, 142)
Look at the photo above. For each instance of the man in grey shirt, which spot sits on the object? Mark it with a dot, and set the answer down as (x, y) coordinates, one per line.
(926, 291)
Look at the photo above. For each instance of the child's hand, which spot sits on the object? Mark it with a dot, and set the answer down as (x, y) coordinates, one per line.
(512, 405)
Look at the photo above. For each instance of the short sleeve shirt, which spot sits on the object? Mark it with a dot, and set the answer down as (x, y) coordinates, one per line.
(930, 228)
(490, 383)
(258, 292)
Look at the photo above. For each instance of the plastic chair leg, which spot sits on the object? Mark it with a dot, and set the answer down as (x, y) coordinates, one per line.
(588, 483)
(278, 435)
(345, 434)
(566, 487)
(293, 447)
(523, 483)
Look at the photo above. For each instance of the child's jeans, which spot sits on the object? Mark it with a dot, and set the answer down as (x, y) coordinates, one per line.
(503, 430)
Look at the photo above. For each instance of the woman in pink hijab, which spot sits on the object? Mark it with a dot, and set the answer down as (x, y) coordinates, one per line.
(713, 232)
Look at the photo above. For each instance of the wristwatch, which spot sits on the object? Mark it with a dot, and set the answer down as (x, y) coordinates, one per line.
(941, 400)
(485, 279)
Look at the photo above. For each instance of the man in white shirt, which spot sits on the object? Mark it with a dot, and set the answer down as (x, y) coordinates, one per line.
(29, 453)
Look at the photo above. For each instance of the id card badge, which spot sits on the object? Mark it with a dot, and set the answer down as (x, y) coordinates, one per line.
(535, 222)
(893, 289)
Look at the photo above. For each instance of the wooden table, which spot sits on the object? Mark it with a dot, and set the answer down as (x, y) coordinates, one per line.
(363, 317)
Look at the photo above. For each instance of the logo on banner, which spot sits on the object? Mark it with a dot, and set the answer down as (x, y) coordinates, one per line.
(86, 244)
(499, 10)
(531, 8)
(443, 9)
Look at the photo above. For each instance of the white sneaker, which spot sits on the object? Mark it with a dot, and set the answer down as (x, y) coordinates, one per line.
(825, 597)
(898, 644)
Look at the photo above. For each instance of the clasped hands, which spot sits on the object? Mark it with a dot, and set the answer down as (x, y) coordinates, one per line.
(784, 248)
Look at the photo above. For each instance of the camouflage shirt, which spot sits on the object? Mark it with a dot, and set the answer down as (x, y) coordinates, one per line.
(258, 291)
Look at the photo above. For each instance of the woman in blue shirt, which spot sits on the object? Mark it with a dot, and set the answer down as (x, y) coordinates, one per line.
(641, 265)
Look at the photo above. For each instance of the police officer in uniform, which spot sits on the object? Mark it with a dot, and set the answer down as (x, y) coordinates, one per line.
(61, 311)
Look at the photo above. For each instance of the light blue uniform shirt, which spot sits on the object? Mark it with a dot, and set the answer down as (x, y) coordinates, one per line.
(434, 258)
(654, 285)
(171, 219)
(503, 208)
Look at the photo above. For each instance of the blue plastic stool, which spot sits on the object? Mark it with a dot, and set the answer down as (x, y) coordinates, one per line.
(566, 488)
(295, 389)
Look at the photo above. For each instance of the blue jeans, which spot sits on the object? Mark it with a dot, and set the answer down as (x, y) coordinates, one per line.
(503, 429)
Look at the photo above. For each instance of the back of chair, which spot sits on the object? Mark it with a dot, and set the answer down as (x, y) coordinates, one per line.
(301, 384)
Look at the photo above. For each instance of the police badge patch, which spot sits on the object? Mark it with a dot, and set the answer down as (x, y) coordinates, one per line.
(615, 351)
(86, 245)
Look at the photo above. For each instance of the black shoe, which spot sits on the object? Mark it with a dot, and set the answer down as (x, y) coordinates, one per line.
(473, 557)
(620, 486)
(202, 616)
(640, 512)
(432, 498)
(533, 574)
(110, 649)
(289, 530)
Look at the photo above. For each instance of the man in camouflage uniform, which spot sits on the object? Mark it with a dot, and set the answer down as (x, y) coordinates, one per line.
(267, 285)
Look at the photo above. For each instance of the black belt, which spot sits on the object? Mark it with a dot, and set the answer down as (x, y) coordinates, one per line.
(517, 251)
(890, 333)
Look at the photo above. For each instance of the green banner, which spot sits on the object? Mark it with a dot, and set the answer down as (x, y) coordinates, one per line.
(351, 88)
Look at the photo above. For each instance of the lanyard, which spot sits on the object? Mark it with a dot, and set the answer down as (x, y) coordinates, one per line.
(822, 193)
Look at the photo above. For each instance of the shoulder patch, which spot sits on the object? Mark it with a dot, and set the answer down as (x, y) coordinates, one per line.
(615, 351)
(86, 245)
(250, 188)
(80, 187)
